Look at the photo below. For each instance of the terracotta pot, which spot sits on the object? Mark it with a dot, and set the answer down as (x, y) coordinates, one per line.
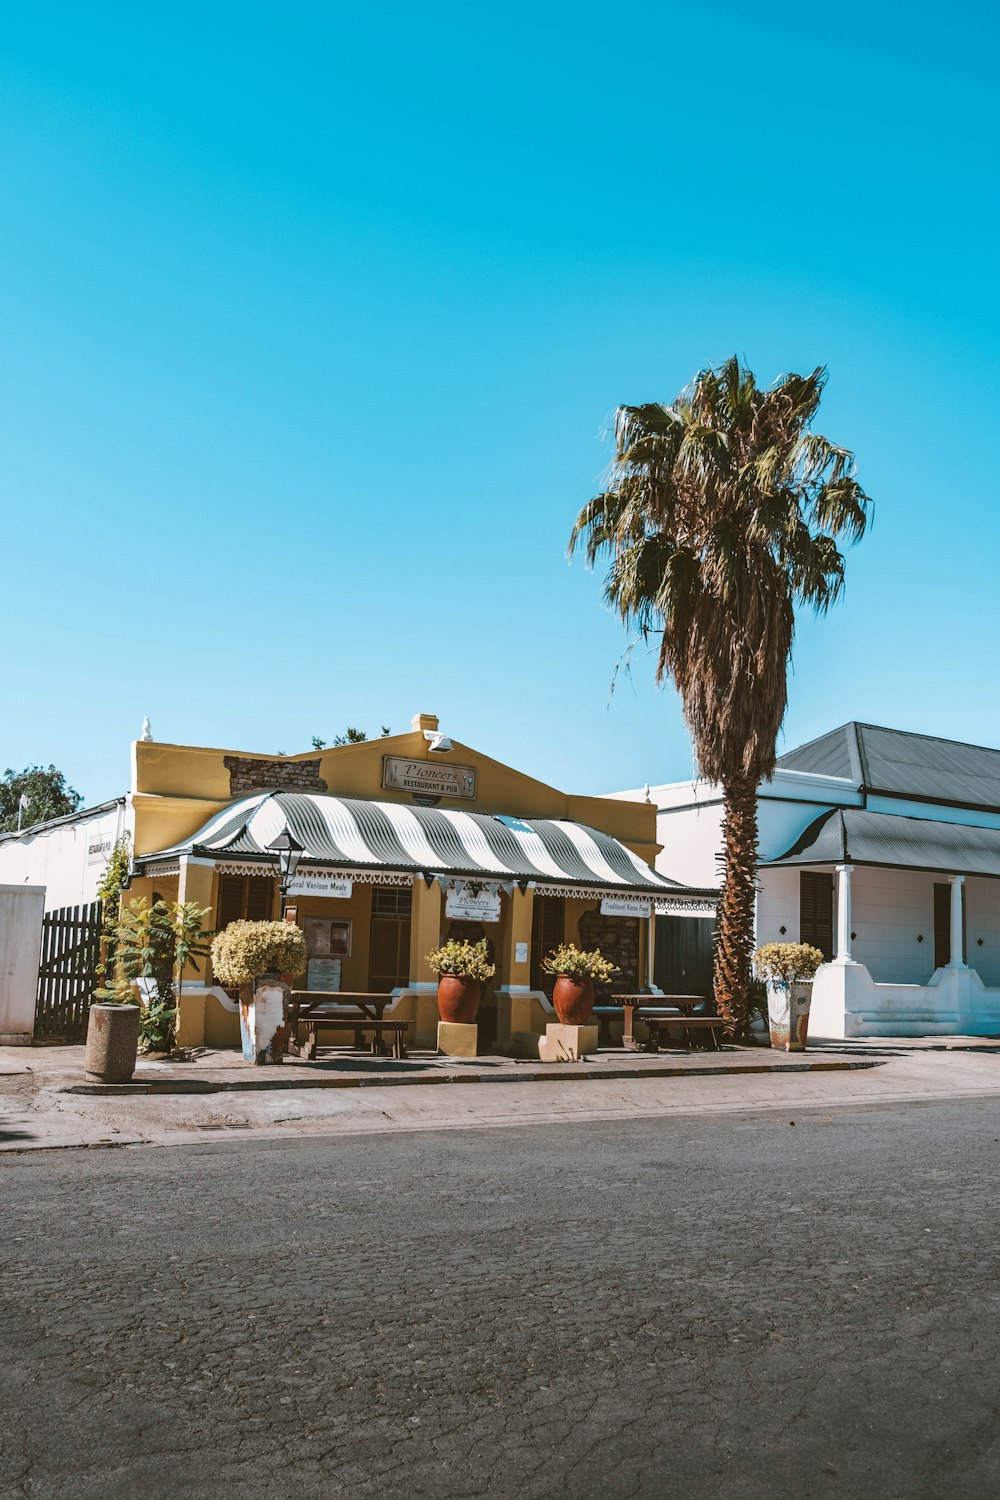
(573, 1000)
(458, 998)
(112, 1042)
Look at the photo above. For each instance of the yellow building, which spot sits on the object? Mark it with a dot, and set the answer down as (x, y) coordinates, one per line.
(406, 841)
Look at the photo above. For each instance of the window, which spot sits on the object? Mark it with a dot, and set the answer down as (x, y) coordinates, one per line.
(816, 911)
(246, 897)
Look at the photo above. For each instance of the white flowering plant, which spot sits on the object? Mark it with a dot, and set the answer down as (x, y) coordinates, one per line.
(243, 951)
(787, 963)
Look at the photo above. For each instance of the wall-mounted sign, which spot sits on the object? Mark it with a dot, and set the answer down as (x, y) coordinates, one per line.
(428, 777)
(326, 939)
(520, 953)
(624, 906)
(99, 847)
(323, 974)
(320, 885)
(467, 906)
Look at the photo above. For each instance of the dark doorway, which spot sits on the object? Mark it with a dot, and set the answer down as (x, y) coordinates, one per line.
(682, 960)
(548, 916)
(942, 924)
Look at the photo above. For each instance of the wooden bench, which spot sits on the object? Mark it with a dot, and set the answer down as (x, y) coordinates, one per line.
(359, 1025)
(710, 1025)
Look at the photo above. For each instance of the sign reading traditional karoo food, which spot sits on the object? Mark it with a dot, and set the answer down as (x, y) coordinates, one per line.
(428, 778)
(624, 906)
(471, 903)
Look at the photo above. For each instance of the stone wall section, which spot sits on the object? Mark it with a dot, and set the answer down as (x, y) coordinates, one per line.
(618, 940)
(248, 775)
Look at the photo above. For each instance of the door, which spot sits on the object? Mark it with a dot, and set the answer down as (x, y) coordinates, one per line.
(389, 949)
(682, 959)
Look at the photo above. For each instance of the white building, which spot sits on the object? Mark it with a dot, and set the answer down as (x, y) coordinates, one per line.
(68, 855)
(881, 848)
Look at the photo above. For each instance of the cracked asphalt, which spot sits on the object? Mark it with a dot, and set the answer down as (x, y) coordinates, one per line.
(694, 1306)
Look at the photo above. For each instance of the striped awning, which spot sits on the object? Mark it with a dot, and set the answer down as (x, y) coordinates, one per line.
(349, 834)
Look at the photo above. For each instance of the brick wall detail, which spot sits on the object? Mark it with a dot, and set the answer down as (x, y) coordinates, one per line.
(248, 775)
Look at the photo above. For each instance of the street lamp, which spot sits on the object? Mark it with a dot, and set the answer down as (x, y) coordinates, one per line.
(287, 852)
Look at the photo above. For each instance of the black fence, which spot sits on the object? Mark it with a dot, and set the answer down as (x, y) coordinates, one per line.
(68, 972)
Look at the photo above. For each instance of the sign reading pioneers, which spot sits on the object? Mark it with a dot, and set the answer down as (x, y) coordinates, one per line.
(465, 906)
(624, 906)
(427, 777)
(319, 885)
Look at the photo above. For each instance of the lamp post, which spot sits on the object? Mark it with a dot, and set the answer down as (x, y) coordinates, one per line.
(286, 851)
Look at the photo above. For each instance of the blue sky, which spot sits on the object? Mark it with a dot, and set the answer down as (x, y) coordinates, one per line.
(314, 317)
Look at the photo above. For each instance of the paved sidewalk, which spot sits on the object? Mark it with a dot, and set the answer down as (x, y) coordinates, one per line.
(45, 1102)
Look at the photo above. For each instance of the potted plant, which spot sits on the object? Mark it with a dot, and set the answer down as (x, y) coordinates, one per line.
(461, 968)
(788, 969)
(152, 945)
(261, 958)
(143, 941)
(576, 972)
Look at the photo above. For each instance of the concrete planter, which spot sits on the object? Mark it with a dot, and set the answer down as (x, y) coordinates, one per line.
(112, 1042)
(788, 1014)
(263, 1019)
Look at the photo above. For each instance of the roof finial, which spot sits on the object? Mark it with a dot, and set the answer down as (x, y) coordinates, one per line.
(647, 797)
(147, 733)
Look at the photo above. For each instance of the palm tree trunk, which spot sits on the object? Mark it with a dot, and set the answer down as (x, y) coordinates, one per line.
(734, 936)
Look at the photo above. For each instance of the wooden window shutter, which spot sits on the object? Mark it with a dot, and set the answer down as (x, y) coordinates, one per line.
(260, 898)
(816, 910)
(230, 899)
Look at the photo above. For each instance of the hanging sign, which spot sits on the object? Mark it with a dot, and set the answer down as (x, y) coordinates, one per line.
(461, 903)
(320, 885)
(625, 906)
(428, 777)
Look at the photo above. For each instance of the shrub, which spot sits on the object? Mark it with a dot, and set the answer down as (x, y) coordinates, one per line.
(787, 963)
(575, 963)
(469, 960)
(245, 950)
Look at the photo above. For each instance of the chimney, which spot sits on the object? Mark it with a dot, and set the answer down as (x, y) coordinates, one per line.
(423, 721)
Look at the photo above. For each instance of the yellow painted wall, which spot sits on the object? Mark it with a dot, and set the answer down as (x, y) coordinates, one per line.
(177, 788)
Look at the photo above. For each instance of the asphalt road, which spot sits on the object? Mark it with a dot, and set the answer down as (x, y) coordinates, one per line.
(694, 1307)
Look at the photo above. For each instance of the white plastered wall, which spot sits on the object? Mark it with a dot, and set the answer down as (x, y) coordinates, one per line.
(68, 860)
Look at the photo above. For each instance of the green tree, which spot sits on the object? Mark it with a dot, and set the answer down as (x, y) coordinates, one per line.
(351, 736)
(49, 796)
(723, 512)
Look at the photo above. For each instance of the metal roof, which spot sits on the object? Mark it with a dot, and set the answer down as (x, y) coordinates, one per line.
(73, 817)
(852, 836)
(898, 764)
(351, 833)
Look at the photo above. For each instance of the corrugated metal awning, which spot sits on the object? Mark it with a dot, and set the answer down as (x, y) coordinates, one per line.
(345, 833)
(853, 836)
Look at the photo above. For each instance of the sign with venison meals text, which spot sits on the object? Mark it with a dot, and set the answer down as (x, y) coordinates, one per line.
(427, 777)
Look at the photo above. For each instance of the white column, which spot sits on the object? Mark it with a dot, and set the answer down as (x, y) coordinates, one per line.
(956, 961)
(843, 953)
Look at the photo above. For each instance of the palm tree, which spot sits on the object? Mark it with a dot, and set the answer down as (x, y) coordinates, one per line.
(721, 513)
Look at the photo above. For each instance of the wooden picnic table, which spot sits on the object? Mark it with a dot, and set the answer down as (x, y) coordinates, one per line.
(633, 1005)
(343, 1010)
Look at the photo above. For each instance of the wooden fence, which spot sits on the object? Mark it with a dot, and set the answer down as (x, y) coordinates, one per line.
(67, 972)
